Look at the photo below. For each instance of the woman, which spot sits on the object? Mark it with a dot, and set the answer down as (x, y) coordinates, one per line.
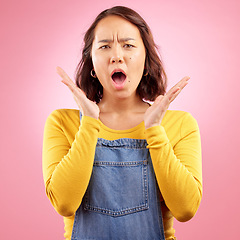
(121, 168)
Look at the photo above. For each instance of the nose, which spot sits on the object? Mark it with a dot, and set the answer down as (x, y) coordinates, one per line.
(116, 59)
(117, 55)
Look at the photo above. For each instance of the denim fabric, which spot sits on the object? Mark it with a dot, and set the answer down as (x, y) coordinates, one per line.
(122, 199)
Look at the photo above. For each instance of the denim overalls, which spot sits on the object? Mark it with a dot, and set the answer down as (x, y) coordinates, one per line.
(122, 199)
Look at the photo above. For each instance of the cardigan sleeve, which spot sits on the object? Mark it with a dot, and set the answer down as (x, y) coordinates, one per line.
(178, 168)
(67, 166)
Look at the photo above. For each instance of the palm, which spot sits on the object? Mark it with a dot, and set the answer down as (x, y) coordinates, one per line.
(86, 106)
(154, 114)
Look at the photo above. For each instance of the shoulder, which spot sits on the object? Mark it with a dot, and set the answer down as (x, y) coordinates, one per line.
(179, 121)
(178, 116)
(63, 117)
(174, 116)
(64, 113)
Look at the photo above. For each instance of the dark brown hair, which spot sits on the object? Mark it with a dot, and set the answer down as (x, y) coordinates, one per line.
(150, 86)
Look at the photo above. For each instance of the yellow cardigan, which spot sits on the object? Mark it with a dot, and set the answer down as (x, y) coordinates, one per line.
(175, 149)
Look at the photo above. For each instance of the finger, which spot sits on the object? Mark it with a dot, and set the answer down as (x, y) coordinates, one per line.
(176, 92)
(65, 78)
(181, 83)
(63, 74)
(176, 89)
(159, 99)
(79, 105)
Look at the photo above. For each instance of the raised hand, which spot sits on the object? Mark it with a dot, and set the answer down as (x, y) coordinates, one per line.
(86, 106)
(154, 114)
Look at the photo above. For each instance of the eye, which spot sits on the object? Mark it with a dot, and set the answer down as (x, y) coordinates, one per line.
(128, 46)
(104, 47)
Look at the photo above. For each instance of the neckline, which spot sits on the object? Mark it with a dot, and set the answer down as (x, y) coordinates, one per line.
(129, 130)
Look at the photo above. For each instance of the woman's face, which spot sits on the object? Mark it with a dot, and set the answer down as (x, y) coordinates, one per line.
(118, 56)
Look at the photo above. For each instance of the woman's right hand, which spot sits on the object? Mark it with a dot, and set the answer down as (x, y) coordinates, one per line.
(86, 106)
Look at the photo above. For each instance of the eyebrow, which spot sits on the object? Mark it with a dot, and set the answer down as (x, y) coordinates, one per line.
(120, 40)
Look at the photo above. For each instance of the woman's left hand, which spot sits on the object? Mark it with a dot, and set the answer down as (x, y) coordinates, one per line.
(154, 114)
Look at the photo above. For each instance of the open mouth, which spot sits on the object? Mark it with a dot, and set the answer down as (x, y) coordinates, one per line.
(118, 77)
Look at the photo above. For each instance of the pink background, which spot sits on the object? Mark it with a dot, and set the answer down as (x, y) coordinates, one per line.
(196, 38)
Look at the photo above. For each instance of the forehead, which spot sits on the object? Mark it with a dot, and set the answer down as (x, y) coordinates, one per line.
(115, 26)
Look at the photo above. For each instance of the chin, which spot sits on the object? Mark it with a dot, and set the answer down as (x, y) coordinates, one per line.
(124, 94)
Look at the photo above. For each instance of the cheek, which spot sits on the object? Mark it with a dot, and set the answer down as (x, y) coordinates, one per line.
(138, 58)
(96, 58)
(98, 61)
(96, 64)
(137, 62)
(94, 61)
(99, 67)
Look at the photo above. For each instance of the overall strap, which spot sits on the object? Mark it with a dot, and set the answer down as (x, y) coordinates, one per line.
(80, 115)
